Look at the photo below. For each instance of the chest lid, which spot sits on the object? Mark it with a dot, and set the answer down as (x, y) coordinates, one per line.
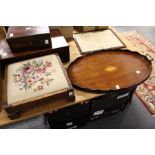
(22, 31)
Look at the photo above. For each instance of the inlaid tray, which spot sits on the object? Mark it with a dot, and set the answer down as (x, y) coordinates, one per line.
(89, 42)
(109, 70)
(35, 81)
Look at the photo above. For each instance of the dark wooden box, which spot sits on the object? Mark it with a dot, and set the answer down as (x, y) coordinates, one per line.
(69, 117)
(110, 104)
(22, 38)
(59, 45)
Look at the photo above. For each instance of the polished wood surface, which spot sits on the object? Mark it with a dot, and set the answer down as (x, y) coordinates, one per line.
(80, 96)
(23, 38)
(2, 32)
(58, 44)
(20, 31)
(54, 105)
(109, 70)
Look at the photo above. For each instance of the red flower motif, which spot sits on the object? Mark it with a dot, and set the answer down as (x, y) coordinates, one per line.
(29, 80)
(41, 70)
(27, 69)
(48, 64)
(31, 74)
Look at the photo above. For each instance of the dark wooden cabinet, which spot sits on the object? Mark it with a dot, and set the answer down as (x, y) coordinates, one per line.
(99, 107)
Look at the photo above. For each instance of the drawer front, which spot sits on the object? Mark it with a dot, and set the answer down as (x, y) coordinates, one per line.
(105, 112)
(101, 107)
(104, 101)
(68, 114)
(122, 98)
(32, 42)
(69, 124)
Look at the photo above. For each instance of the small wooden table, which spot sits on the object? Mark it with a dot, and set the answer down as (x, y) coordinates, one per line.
(81, 96)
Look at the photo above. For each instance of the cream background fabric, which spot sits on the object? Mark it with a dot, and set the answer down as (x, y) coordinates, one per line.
(97, 40)
(16, 95)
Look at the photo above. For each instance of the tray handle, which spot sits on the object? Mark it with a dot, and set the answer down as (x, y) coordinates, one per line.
(149, 57)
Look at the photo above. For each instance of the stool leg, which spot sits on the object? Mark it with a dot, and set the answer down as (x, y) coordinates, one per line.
(14, 115)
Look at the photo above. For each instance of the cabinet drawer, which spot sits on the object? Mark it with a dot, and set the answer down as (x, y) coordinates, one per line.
(68, 114)
(69, 125)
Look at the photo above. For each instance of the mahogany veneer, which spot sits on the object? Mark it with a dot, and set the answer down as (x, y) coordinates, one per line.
(109, 70)
(28, 37)
(59, 45)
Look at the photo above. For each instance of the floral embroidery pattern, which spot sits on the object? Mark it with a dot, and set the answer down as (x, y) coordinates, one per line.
(33, 75)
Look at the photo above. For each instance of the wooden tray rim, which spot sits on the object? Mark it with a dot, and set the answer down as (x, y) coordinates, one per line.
(111, 90)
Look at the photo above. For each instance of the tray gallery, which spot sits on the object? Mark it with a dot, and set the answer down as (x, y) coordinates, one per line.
(34, 81)
(111, 70)
(89, 42)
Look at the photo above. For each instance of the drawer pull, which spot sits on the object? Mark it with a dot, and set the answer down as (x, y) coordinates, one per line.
(123, 95)
(46, 41)
(73, 127)
(69, 123)
(98, 112)
(149, 57)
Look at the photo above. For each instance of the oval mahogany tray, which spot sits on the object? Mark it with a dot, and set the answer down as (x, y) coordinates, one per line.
(109, 70)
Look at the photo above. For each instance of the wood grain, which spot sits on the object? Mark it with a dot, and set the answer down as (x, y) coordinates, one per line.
(81, 96)
(20, 31)
(59, 45)
(109, 70)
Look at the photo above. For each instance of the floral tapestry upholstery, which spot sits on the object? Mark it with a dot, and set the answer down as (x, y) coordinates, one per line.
(34, 77)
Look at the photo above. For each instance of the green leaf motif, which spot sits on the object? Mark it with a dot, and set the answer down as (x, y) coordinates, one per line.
(48, 73)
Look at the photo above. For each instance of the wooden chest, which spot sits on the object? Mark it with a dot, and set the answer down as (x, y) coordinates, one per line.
(59, 45)
(69, 117)
(34, 81)
(22, 38)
